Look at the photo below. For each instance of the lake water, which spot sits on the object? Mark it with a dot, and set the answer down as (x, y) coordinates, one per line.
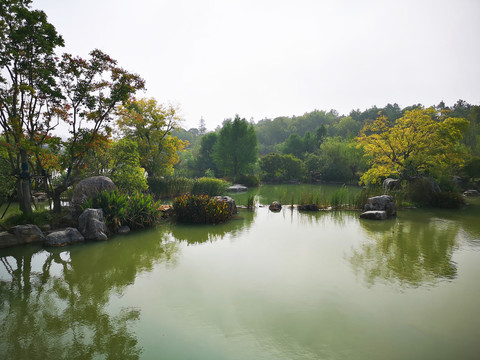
(286, 285)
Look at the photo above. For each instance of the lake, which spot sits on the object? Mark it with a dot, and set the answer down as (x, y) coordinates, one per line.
(288, 285)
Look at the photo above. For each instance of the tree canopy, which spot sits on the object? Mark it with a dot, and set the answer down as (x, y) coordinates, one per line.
(421, 142)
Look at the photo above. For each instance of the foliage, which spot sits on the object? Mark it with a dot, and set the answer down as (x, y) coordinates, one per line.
(416, 144)
(29, 96)
(7, 180)
(204, 160)
(236, 148)
(248, 180)
(201, 209)
(37, 217)
(150, 125)
(472, 168)
(340, 160)
(426, 192)
(118, 160)
(209, 186)
(282, 167)
(136, 211)
(167, 187)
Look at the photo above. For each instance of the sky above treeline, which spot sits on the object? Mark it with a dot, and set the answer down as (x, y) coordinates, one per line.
(268, 58)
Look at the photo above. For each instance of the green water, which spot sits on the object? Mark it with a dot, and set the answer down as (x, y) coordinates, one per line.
(266, 285)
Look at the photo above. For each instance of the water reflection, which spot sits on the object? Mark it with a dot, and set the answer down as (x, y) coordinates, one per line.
(54, 304)
(198, 234)
(414, 252)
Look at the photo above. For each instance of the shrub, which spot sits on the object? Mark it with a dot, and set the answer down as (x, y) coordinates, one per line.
(248, 180)
(170, 187)
(209, 186)
(200, 209)
(136, 211)
(38, 217)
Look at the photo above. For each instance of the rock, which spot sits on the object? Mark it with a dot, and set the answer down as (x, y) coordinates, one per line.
(92, 225)
(374, 215)
(275, 206)
(89, 188)
(471, 193)
(27, 233)
(232, 207)
(167, 211)
(7, 240)
(237, 188)
(390, 184)
(123, 229)
(308, 207)
(64, 237)
(381, 203)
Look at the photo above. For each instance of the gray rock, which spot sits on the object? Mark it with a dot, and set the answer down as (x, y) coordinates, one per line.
(381, 203)
(232, 207)
(27, 234)
(8, 240)
(64, 237)
(374, 215)
(92, 225)
(390, 184)
(308, 207)
(471, 193)
(89, 188)
(123, 229)
(275, 206)
(237, 188)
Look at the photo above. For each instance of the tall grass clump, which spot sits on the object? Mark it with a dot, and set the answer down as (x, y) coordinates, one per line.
(200, 209)
(209, 186)
(251, 201)
(339, 199)
(136, 211)
(170, 187)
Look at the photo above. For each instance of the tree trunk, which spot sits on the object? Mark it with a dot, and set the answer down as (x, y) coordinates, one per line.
(23, 186)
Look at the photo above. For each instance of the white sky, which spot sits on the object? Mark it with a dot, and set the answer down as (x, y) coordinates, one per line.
(269, 58)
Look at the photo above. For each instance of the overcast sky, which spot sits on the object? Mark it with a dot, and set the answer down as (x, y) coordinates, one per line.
(268, 58)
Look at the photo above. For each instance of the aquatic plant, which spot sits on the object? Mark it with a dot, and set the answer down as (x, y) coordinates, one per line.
(201, 209)
(209, 186)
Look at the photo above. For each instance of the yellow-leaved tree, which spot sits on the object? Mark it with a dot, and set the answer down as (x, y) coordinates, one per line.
(420, 143)
(150, 124)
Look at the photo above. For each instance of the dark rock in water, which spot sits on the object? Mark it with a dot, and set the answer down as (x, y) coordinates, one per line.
(8, 240)
(381, 203)
(237, 188)
(92, 225)
(27, 233)
(374, 215)
(123, 229)
(308, 207)
(89, 188)
(64, 237)
(232, 207)
(471, 193)
(275, 206)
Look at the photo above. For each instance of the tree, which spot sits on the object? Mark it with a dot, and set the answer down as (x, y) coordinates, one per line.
(204, 159)
(417, 144)
(236, 149)
(92, 89)
(29, 95)
(150, 125)
(294, 145)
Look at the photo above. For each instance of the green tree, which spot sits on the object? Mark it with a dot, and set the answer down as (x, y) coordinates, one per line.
(204, 159)
(150, 125)
(294, 145)
(418, 144)
(236, 149)
(28, 92)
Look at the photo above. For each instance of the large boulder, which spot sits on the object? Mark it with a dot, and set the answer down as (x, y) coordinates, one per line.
(275, 206)
(92, 225)
(7, 240)
(381, 203)
(63, 237)
(21, 234)
(374, 215)
(89, 188)
(232, 206)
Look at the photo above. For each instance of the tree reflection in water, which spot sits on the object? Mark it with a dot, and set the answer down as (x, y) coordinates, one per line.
(414, 252)
(53, 304)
